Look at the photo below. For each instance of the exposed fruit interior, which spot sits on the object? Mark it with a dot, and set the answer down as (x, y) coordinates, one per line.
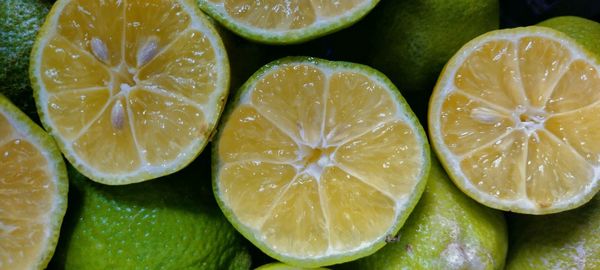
(130, 84)
(282, 15)
(27, 194)
(317, 161)
(521, 120)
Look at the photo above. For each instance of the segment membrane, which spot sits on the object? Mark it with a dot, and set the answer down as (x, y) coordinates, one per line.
(71, 111)
(249, 136)
(81, 21)
(187, 67)
(579, 87)
(355, 105)
(151, 24)
(581, 130)
(65, 67)
(469, 124)
(297, 224)
(164, 126)
(252, 188)
(358, 212)
(542, 63)
(499, 169)
(118, 148)
(387, 157)
(293, 98)
(554, 171)
(491, 73)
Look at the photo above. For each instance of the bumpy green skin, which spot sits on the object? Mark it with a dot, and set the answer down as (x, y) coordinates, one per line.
(447, 230)
(169, 223)
(584, 31)
(19, 24)
(412, 40)
(569, 240)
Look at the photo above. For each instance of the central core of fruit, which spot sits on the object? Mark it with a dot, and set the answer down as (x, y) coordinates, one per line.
(530, 119)
(123, 75)
(314, 159)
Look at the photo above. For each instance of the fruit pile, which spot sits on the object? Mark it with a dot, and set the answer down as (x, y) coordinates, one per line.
(358, 134)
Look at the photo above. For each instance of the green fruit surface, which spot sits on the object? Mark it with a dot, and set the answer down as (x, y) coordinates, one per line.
(412, 40)
(168, 223)
(586, 32)
(568, 240)
(446, 230)
(20, 21)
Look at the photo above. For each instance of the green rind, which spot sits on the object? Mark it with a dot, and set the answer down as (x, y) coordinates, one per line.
(170, 223)
(142, 176)
(39, 137)
(290, 36)
(569, 240)
(19, 23)
(412, 40)
(328, 260)
(437, 144)
(584, 31)
(446, 230)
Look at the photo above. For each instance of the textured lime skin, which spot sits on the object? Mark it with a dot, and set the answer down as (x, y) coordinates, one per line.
(55, 163)
(19, 24)
(569, 240)
(584, 31)
(447, 230)
(169, 223)
(328, 260)
(412, 40)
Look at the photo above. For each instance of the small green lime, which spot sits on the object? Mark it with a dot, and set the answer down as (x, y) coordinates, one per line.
(169, 223)
(447, 230)
(412, 40)
(19, 25)
(568, 240)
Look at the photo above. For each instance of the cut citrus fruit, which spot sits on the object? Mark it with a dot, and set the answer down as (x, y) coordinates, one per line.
(317, 162)
(33, 191)
(284, 21)
(513, 120)
(131, 90)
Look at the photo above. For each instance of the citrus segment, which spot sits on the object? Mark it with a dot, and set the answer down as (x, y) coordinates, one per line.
(317, 162)
(131, 89)
(511, 120)
(278, 21)
(33, 191)
(253, 137)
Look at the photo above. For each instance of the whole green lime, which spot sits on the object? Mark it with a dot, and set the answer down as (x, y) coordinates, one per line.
(569, 240)
(586, 32)
(412, 40)
(168, 223)
(447, 230)
(19, 24)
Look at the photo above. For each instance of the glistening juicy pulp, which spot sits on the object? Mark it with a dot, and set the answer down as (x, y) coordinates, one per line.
(521, 120)
(317, 162)
(131, 85)
(27, 199)
(279, 15)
